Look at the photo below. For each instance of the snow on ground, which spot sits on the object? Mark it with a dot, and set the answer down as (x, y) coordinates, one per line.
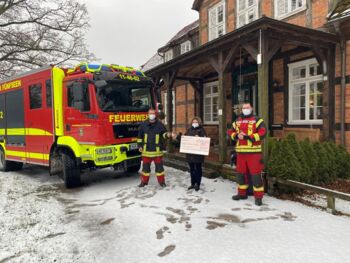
(110, 219)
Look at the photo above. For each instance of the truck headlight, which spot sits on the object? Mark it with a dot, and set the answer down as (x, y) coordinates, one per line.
(102, 151)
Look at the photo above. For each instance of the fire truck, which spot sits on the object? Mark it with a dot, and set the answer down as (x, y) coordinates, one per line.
(86, 117)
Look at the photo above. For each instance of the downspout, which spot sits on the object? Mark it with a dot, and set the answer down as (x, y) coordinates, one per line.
(342, 89)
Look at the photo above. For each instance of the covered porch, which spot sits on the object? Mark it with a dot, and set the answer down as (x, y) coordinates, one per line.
(225, 60)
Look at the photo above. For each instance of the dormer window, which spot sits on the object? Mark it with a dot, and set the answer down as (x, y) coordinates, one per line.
(247, 12)
(168, 55)
(185, 46)
(285, 8)
(217, 21)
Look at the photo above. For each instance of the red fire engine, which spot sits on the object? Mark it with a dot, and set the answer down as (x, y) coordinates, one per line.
(69, 120)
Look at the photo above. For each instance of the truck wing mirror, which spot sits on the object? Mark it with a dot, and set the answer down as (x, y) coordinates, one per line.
(100, 83)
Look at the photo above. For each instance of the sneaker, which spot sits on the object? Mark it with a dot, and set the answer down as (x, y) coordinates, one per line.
(190, 187)
(258, 201)
(196, 187)
(162, 184)
(239, 197)
(142, 184)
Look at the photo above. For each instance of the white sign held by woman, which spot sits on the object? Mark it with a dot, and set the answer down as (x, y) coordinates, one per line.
(195, 145)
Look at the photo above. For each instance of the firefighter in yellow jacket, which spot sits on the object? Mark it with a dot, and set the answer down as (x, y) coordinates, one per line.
(151, 137)
(249, 131)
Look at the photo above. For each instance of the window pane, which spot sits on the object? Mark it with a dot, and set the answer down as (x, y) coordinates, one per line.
(35, 96)
(319, 114)
(302, 114)
(251, 16)
(312, 114)
(299, 72)
(294, 5)
(296, 114)
(315, 70)
(220, 30)
(241, 20)
(207, 117)
(48, 94)
(215, 89)
(220, 13)
(251, 2)
(299, 89)
(300, 3)
(241, 5)
(282, 7)
(207, 90)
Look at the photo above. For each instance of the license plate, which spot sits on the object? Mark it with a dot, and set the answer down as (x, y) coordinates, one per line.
(133, 146)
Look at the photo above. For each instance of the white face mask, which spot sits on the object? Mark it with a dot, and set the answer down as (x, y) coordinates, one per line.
(247, 112)
(151, 117)
(195, 125)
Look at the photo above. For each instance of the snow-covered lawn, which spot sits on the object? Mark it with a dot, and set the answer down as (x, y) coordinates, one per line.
(112, 220)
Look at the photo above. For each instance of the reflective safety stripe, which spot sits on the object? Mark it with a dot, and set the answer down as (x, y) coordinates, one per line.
(250, 132)
(40, 156)
(145, 174)
(248, 150)
(152, 154)
(139, 140)
(160, 174)
(165, 135)
(157, 143)
(256, 137)
(25, 131)
(233, 136)
(243, 186)
(259, 122)
(258, 189)
(145, 141)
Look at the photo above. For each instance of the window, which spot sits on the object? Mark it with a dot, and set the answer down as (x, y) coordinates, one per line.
(284, 8)
(168, 55)
(217, 21)
(211, 99)
(78, 95)
(185, 47)
(166, 107)
(247, 12)
(48, 93)
(305, 92)
(35, 96)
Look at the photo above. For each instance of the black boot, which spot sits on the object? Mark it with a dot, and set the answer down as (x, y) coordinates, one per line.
(196, 187)
(162, 184)
(190, 187)
(238, 197)
(258, 201)
(142, 184)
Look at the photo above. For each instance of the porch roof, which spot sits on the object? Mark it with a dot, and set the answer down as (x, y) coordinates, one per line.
(278, 30)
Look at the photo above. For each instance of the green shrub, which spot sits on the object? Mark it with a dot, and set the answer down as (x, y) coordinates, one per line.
(343, 161)
(311, 159)
(323, 166)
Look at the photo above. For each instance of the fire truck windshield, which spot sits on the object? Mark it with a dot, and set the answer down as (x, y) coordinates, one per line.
(122, 96)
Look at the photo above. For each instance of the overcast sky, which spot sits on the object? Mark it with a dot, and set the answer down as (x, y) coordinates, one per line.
(129, 32)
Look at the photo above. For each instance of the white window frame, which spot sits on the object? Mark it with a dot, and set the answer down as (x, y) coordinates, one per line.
(186, 46)
(246, 11)
(168, 55)
(211, 95)
(289, 9)
(165, 107)
(215, 27)
(307, 80)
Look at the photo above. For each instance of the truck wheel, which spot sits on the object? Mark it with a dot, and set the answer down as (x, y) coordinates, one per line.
(71, 172)
(6, 166)
(134, 169)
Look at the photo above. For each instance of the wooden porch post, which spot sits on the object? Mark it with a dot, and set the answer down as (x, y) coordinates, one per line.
(169, 80)
(220, 64)
(263, 85)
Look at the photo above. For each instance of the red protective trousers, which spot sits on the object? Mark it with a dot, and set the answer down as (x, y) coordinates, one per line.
(146, 169)
(250, 164)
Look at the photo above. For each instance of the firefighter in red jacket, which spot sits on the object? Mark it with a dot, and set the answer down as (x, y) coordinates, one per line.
(249, 131)
(152, 134)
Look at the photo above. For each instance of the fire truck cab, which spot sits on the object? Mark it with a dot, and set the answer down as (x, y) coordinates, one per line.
(81, 118)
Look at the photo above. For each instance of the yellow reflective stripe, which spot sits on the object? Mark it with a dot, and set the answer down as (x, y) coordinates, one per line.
(258, 189)
(234, 125)
(157, 138)
(139, 140)
(248, 150)
(259, 122)
(57, 80)
(25, 131)
(145, 174)
(160, 174)
(152, 154)
(40, 156)
(146, 137)
(233, 136)
(256, 137)
(243, 186)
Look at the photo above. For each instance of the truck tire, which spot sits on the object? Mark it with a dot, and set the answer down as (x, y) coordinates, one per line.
(6, 166)
(134, 169)
(71, 172)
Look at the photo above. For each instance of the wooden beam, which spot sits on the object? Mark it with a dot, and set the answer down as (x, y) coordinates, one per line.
(230, 56)
(274, 49)
(188, 78)
(214, 62)
(251, 50)
(321, 58)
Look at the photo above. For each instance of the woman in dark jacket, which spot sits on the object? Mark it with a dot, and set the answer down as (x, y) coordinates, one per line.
(194, 160)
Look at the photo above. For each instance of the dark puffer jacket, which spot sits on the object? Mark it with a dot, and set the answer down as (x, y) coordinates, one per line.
(199, 131)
